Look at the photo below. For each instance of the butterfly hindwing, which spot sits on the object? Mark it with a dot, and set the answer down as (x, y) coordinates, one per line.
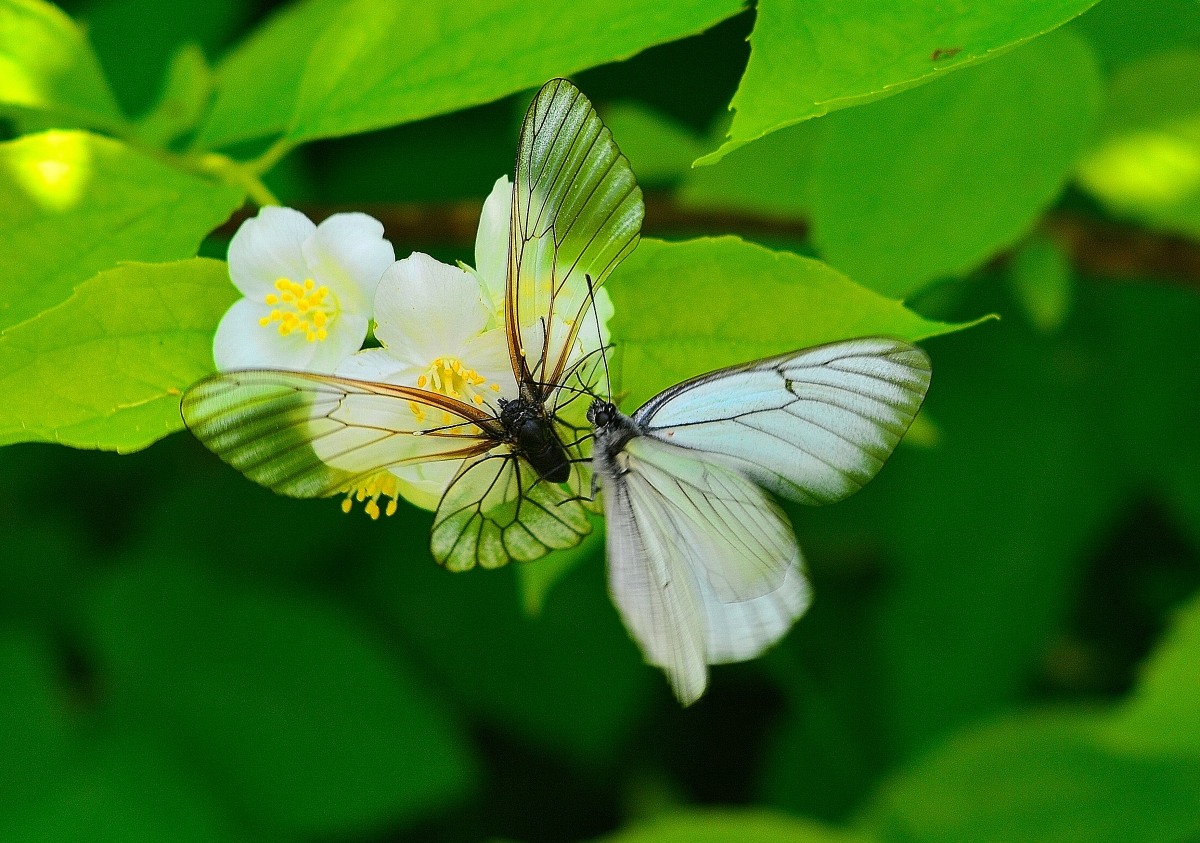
(703, 566)
(497, 508)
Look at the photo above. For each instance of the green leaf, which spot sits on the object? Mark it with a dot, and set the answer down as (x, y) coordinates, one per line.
(988, 531)
(1042, 282)
(48, 68)
(773, 177)
(934, 181)
(809, 57)
(569, 681)
(1146, 164)
(1039, 778)
(310, 725)
(126, 788)
(756, 303)
(537, 578)
(105, 368)
(72, 204)
(186, 91)
(1163, 715)
(659, 148)
(326, 68)
(137, 40)
(1151, 380)
(729, 824)
(37, 735)
(1126, 31)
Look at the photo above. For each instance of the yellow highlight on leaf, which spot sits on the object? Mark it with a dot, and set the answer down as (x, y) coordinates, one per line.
(54, 169)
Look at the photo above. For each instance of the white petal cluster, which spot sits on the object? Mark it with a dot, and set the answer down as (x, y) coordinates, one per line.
(313, 291)
(308, 290)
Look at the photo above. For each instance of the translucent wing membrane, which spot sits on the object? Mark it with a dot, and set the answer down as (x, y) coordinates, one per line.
(703, 566)
(498, 508)
(813, 425)
(308, 435)
(576, 212)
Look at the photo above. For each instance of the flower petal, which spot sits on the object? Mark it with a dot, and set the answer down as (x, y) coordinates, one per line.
(348, 253)
(267, 247)
(242, 342)
(487, 354)
(377, 364)
(491, 242)
(426, 309)
(422, 484)
(345, 337)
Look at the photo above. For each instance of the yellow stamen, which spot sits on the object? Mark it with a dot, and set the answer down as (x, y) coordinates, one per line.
(382, 485)
(307, 308)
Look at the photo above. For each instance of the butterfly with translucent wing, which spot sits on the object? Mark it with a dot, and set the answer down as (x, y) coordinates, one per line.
(520, 492)
(703, 566)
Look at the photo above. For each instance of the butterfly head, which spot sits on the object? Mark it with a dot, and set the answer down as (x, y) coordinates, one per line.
(602, 413)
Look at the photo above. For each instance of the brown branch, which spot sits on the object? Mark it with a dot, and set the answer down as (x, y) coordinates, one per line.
(1099, 248)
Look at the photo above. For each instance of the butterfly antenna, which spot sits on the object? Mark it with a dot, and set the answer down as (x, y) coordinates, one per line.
(599, 336)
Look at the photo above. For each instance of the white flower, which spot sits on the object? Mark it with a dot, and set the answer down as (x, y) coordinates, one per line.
(441, 329)
(308, 290)
(436, 332)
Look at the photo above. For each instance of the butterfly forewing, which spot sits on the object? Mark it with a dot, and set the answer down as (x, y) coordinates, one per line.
(813, 426)
(309, 435)
(576, 212)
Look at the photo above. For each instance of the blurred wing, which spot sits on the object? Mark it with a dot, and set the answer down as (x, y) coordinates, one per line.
(308, 435)
(576, 212)
(497, 509)
(814, 425)
(703, 566)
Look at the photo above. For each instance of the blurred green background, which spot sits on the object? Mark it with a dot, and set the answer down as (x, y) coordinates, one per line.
(186, 657)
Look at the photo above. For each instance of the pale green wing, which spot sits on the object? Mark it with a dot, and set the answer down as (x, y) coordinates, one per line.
(703, 566)
(307, 435)
(576, 212)
(497, 509)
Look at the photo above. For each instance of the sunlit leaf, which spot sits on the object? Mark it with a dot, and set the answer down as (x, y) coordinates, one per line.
(1146, 164)
(934, 181)
(47, 67)
(756, 303)
(106, 367)
(810, 57)
(327, 68)
(72, 204)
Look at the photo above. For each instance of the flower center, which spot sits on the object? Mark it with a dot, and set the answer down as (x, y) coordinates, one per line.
(448, 376)
(302, 307)
(383, 485)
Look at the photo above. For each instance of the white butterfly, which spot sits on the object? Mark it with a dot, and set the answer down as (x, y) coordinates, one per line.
(702, 563)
